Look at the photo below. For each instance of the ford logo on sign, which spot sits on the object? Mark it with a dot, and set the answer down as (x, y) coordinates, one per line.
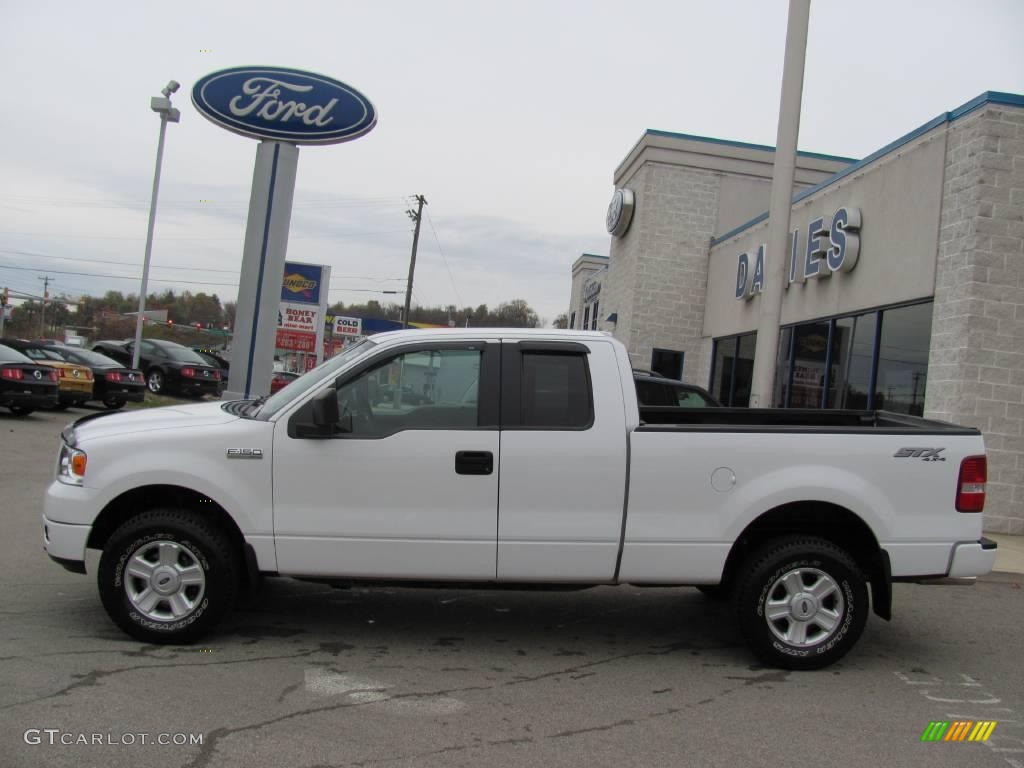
(284, 105)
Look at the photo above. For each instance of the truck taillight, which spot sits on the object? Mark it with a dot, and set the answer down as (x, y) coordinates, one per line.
(14, 374)
(970, 487)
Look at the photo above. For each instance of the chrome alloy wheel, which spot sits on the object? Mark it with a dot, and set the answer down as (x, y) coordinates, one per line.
(164, 581)
(804, 607)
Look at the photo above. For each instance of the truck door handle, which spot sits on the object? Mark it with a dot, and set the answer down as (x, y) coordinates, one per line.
(474, 463)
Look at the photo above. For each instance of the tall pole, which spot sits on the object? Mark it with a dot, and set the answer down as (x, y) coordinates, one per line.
(763, 378)
(149, 243)
(417, 216)
(42, 314)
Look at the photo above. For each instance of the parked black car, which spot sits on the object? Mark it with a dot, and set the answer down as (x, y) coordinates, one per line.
(113, 384)
(658, 390)
(215, 357)
(25, 386)
(167, 366)
(74, 382)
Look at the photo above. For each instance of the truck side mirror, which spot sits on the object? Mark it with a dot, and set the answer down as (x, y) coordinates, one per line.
(325, 408)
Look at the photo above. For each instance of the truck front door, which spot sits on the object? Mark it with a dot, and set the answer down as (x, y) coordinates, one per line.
(407, 487)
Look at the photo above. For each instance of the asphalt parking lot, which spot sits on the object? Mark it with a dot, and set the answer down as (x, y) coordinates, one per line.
(305, 675)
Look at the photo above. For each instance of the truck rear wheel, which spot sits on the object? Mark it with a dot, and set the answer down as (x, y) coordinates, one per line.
(168, 576)
(802, 603)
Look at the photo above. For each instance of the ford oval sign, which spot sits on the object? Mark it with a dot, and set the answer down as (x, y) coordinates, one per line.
(284, 105)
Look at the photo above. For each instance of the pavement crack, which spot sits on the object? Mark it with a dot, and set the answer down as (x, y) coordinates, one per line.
(92, 678)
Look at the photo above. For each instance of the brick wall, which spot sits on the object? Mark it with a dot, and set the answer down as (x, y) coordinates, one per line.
(976, 361)
(658, 273)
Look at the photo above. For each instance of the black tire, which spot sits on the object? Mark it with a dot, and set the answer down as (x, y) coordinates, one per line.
(720, 593)
(20, 410)
(201, 544)
(113, 405)
(156, 382)
(804, 559)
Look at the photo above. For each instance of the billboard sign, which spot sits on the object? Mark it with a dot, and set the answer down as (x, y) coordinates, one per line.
(348, 326)
(298, 317)
(296, 341)
(302, 283)
(283, 104)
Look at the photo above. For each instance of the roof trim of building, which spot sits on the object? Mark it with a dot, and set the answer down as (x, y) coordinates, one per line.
(742, 145)
(988, 97)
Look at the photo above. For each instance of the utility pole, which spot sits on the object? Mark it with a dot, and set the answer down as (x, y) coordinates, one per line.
(46, 295)
(415, 216)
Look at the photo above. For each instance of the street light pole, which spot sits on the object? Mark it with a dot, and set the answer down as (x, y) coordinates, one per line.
(161, 105)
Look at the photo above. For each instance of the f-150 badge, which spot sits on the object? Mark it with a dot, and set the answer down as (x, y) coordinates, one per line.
(245, 453)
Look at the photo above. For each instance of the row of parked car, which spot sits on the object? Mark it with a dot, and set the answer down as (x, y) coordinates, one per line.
(71, 376)
(49, 374)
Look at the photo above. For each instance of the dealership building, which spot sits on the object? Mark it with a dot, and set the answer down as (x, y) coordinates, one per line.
(904, 279)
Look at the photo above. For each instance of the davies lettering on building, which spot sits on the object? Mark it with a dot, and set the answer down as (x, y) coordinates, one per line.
(823, 250)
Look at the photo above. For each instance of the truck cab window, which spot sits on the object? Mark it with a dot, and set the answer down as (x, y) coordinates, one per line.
(556, 391)
(425, 389)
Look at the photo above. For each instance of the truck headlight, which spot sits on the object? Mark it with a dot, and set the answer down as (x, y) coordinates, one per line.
(71, 465)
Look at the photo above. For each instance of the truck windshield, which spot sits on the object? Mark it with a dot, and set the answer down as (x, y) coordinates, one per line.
(307, 381)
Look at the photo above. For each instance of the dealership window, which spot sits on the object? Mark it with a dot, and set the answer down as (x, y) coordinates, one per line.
(667, 362)
(572, 320)
(586, 318)
(871, 361)
(593, 318)
(732, 361)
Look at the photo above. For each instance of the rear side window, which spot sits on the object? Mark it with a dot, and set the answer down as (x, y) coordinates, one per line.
(556, 391)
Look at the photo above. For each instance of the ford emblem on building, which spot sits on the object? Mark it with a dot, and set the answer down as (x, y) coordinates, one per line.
(283, 105)
(620, 212)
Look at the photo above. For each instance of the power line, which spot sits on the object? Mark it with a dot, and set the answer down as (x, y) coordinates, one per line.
(160, 266)
(340, 236)
(448, 268)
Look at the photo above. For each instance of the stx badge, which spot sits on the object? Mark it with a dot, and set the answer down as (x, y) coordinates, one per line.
(925, 454)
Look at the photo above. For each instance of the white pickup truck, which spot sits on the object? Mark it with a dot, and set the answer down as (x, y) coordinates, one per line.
(515, 458)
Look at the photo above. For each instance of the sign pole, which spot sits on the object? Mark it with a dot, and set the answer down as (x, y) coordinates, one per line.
(263, 257)
(781, 202)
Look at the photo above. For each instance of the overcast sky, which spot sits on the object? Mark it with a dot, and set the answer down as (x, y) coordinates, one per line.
(509, 117)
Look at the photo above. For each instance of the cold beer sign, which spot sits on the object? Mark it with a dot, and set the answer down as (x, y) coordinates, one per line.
(823, 250)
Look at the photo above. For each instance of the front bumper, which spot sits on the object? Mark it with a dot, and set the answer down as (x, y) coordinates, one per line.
(65, 543)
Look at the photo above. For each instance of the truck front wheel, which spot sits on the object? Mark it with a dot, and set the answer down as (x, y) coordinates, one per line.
(168, 576)
(802, 603)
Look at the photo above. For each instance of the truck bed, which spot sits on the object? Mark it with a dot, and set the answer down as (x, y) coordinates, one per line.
(668, 418)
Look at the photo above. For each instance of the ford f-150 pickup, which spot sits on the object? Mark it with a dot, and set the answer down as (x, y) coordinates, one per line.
(523, 459)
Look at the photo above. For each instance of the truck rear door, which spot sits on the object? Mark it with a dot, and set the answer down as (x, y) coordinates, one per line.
(563, 461)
